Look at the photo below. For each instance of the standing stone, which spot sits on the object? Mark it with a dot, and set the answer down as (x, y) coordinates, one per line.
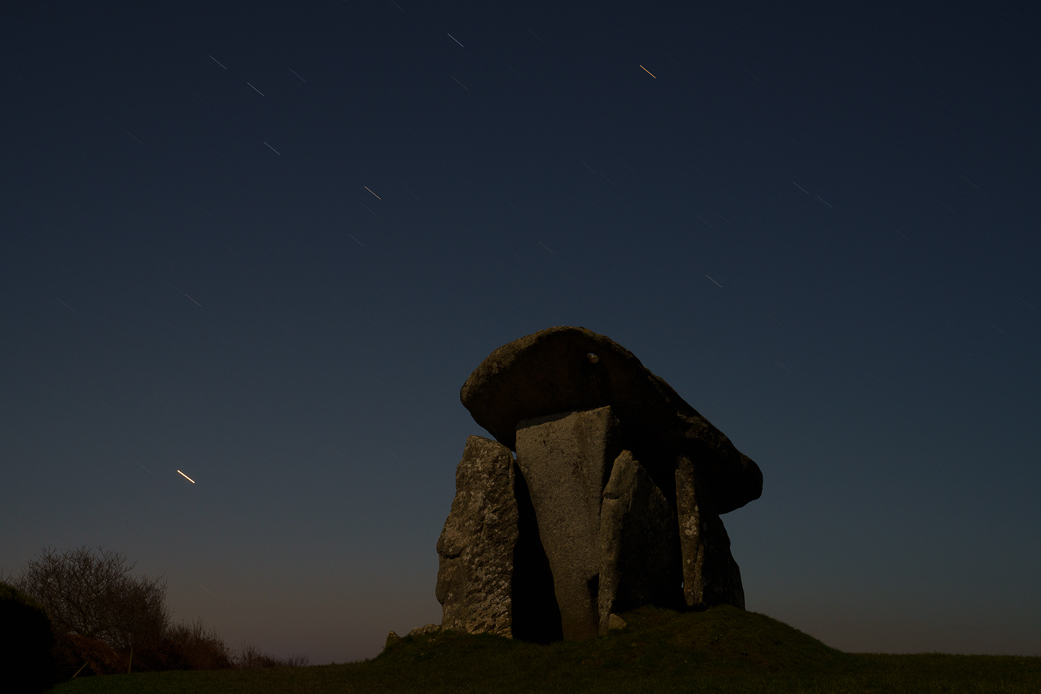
(565, 459)
(476, 547)
(710, 574)
(639, 543)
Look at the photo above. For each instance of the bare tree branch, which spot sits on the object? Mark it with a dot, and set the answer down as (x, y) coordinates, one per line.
(94, 594)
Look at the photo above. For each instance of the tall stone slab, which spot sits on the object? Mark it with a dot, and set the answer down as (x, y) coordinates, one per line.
(565, 459)
(476, 547)
(710, 574)
(639, 543)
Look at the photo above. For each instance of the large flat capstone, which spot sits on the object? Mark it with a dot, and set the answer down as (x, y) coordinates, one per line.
(570, 369)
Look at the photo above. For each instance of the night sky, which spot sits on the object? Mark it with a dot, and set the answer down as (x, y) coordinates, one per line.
(265, 244)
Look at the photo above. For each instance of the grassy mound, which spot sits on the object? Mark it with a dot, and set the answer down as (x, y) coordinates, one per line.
(720, 650)
(659, 649)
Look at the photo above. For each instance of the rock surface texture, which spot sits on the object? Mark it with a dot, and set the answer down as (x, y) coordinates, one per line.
(476, 547)
(639, 543)
(710, 574)
(565, 460)
(613, 500)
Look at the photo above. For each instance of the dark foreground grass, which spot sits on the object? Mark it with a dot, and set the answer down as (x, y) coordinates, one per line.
(721, 650)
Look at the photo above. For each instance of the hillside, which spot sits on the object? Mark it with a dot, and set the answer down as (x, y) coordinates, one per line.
(721, 650)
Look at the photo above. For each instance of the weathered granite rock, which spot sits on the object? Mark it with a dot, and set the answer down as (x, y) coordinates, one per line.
(427, 630)
(565, 459)
(639, 543)
(567, 369)
(710, 574)
(392, 640)
(476, 547)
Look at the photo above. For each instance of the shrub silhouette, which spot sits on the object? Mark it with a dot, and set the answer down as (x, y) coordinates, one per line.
(79, 656)
(104, 618)
(107, 621)
(191, 647)
(26, 641)
(94, 595)
(251, 657)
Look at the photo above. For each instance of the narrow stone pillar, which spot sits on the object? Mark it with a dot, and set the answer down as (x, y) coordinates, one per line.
(565, 459)
(710, 574)
(639, 543)
(476, 547)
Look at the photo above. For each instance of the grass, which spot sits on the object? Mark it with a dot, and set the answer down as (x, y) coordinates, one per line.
(720, 650)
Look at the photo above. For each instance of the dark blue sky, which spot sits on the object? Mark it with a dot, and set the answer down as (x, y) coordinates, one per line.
(266, 244)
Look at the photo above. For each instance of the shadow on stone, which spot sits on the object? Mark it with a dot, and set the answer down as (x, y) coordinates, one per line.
(536, 616)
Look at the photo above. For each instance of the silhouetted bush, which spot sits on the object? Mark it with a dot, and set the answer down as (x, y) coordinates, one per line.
(191, 647)
(94, 595)
(106, 621)
(251, 657)
(80, 656)
(26, 642)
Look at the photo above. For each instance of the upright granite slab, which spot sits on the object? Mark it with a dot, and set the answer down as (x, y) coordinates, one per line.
(565, 459)
(710, 574)
(476, 547)
(639, 543)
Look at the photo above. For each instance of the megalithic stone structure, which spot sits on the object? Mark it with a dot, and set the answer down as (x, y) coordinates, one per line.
(612, 501)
